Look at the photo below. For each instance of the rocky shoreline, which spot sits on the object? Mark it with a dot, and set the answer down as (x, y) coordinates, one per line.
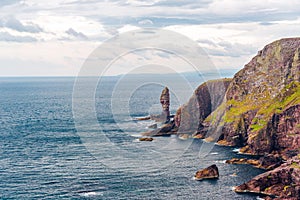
(257, 110)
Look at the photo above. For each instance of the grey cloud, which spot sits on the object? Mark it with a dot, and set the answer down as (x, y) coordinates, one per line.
(4, 36)
(76, 34)
(13, 23)
(173, 12)
(8, 2)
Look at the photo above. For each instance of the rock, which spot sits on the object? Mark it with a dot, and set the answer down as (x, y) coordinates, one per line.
(165, 103)
(261, 107)
(198, 136)
(165, 130)
(268, 161)
(243, 161)
(143, 118)
(148, 139)
(206, 98)
(184, 136)
(153, 126)
(282, 182)
(210, 172)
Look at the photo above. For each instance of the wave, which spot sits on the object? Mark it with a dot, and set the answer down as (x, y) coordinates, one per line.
(89, 194)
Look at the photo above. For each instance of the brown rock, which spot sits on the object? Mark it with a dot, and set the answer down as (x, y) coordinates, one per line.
(198, 135)
(206, 98)
(253, 162)
(270, 161)
(184, 136)
(262, 102)
(148, 139)
(210, 172)
(282, 182)
(143, 118)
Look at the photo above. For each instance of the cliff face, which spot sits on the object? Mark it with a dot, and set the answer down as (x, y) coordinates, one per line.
(261, 106)
(206, 98)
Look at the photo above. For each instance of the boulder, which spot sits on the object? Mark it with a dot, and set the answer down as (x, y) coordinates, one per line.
(210, 172)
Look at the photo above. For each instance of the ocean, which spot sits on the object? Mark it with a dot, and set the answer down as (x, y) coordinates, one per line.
(45, 154)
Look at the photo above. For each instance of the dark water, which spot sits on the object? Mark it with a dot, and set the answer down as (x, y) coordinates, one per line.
(43, 157)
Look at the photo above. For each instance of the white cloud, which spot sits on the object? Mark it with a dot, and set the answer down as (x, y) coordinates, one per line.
(62, 32)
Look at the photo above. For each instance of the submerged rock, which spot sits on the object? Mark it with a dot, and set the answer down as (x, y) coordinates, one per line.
(210, 172)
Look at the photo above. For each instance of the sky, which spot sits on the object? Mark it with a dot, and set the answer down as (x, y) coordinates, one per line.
(54, 38)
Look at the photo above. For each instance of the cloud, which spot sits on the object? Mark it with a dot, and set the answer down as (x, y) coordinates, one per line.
(227, 48)
(8, 2)
(14, 24)
(185, 3)
(231, 31)
(76, 34)
(7, 37)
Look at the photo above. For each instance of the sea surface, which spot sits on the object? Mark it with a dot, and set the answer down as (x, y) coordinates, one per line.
(43, 155)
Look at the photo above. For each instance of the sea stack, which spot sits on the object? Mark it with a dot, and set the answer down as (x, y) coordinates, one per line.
(165, 103)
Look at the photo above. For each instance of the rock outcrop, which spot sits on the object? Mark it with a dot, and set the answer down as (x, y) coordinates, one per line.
(211, 172)
(206, 98)
(281, 183)
(166, 130)
(261, 105)
(268, 161)
(260, 113)
(243, 161)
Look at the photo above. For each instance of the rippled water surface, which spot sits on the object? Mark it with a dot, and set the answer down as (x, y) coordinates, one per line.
(43, 157)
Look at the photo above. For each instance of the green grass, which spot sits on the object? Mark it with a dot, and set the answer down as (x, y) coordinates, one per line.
(295, 165)
(265, 105)
(289, 96)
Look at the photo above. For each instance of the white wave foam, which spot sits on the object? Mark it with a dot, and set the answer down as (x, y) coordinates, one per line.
(89, 194)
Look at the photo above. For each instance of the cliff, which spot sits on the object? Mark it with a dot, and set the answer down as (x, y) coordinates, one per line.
(259, 111)
(206, 98)
(261, 106)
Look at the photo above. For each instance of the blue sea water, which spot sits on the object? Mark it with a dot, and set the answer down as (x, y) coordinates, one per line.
(42, 156)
